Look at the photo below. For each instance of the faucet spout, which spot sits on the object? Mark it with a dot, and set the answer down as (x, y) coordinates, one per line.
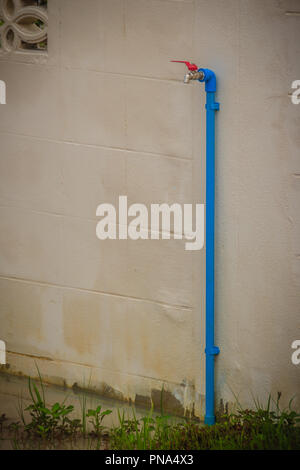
(193, 75)
(187, 78)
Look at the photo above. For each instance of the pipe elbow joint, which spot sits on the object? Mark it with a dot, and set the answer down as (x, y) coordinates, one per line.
(209, 79)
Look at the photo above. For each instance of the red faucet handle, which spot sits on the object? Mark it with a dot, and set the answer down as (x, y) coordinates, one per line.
(190, 66)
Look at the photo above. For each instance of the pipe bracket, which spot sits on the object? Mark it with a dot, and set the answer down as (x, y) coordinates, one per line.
(213, 106)
(213, 351)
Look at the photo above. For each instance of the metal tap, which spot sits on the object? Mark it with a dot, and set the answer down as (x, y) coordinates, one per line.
(193, 73)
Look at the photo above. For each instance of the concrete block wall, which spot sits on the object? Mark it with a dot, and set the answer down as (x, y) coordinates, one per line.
(104, 113)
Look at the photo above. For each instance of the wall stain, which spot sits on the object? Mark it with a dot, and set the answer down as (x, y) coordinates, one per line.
(179, 401)
(164, 401)
(81, 323)
(103, 390)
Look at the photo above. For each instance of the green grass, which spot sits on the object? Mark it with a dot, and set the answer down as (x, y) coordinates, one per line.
(259, 429)
(267, 426)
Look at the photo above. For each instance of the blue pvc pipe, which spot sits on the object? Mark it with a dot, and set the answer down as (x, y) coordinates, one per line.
(210, 350)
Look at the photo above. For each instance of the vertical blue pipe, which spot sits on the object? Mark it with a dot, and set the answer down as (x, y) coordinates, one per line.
(210, 350)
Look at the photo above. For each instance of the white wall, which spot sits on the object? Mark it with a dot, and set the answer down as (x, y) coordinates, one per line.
(105, 113)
